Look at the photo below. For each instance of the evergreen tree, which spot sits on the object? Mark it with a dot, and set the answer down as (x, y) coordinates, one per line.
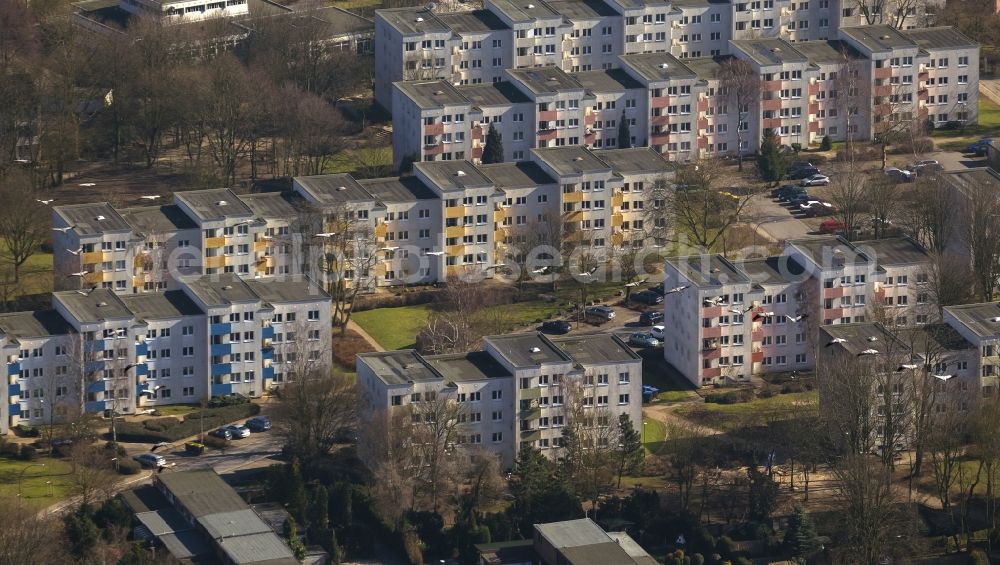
(770, 162)
(341, 501)
(800, 536)
(82, 533)
(291, 531)
(624, 134)
(493, 151)
(334, 549)
(629, 447)
(826, 144)
(541, 493)
(319, 515)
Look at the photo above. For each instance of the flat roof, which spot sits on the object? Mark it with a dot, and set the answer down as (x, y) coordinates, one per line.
(328, 189)
(92, 219)
(595, 348)
(582, 9)
(294, 288)
(201, 492)
(214, 204)
(233, 523)
(633, 4)
(40, 323)
(338, 21)
(605, 553)
(708, 270)
(431, 94)
(527, 349)
(221, 289)
(398, 189)
(399, 367)
(657, 66)
(161, 305)
(779, 269)
(706, 68)
(186, 545)
(894, 251)
(861, 337)
(570, 160)
(979, 318)
(519, 174)
(524, 11)
(158, 219)
(163, 521)
(608, 80)
(453, 175)
(475, 21)
(413, 20)
(829, 251)
(826, 51)
(770, 51)
(635, 160)
(942, 37)
(878, 38)
(936, 337)
(545, 80)
(474, 366)
(966, 179)
(277, 205)
(262, 549)
(96, 305)
(572, 533)
(501, 93)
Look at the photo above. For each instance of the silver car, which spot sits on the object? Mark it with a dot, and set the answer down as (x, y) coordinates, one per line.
(151, 460)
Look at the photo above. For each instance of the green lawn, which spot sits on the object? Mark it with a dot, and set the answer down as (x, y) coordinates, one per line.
(757, 412)
(34, 490)
(176, 409)
(393, 328)
(348, 161)
(958, 139)
(653, 434)
(36, 274)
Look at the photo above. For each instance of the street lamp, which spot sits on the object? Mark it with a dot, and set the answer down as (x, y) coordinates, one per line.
(644, 422)
(20, 477)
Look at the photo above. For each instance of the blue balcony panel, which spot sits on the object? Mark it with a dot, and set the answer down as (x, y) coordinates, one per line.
(14, 409)
(142, 369)
(222, 348)
(267, 353)
(99, 385)
(14, 390)
(93, 366)
(222, 389)
(96, 345)
(221, 369)
(95, 406)
(13, 368)
(267, 332)
(268, 373)
(141, 349)
(220, 329)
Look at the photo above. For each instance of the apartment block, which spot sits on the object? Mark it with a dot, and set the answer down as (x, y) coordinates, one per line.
(99, 352)
(733, 320)
(518, 391)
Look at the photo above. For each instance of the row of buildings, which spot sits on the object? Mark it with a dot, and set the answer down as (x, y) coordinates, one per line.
(856, 83)
(447, 219)
(95, 351)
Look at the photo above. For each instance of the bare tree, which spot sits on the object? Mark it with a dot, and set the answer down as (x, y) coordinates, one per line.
(703, 211)
(883, 203)
(982, 236)
(435, 429)
(849, 195)
(741, 86)
(865, 494)
(313, 407)
(658, 214)
(228, 114)
(531, 246)
(684, 458)
(34, 539)
(23, 221)
(932, 212)
(91, 476)
(893, 13)
(590, 442)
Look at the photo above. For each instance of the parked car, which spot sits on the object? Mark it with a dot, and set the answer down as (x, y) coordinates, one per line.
(238, 431)
(649, 392)
(258, 424)
(925, 163)
(651, 317)
(815, 180)
(900, 175)
(224, 433)
(600, 314)
(813, 208)
(194, 448)
(803, 173)
(832, 226)
(783, 188)
(791, 193)
(980, 147)
(799, 165)
(647, 297)
(926, 168)
(556, 327)
(800, 199)
(658, 332)
(643, 340)
(657, 288)
(150, 460)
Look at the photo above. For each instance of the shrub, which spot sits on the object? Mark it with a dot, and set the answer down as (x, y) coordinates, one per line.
(128, 467)
(979, 558)
(190, 426)
(796, 147)
(347, 346)
(227, 400)
(27, 431)
(27, 453)
(729, 397)
(918, 145)
(826, 144)
(11, 450)
(160, 424)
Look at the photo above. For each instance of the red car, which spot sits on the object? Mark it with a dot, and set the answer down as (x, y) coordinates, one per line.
(831, 226)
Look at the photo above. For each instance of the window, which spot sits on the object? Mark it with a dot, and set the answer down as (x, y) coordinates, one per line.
(497, 394)
(623, 399)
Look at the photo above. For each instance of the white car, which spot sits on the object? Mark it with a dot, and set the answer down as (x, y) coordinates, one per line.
(657, 332)
(238, 431)
(815, 180)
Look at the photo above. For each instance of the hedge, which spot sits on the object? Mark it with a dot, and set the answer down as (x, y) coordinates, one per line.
(172, 429)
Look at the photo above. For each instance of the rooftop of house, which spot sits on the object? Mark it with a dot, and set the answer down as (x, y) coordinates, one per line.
(982, 319)
(399, 367)
(636, 4)
(275, 205)
(501, 93)
(657, 66)
(521, 11)
(894, 251)
(579, 10)
(40, 323)
(779, 269)
(705, 271)
(570, 160)
(336, 188)
(706, 68)
(769, 51)
(92, 306)
(582, 542)
(826, 51)
(475, 21)
(161, 305)
(453, 175)
(519, 174)
(942, 37)
(287, 289)
(545, 80)
(938, 337)
(201, 492)
(432, 94)
(398, 189)
(214, 204)
(608, 80)
(158, 219)
(596, 349)
(636, 160)
(862, 337)
(264, 548)
(339, 22)
(527, 349)
(413, 20)
(966, 180)
(221, 290)
(878, 38)
(830, 251)
(474, 366)
(92, 219)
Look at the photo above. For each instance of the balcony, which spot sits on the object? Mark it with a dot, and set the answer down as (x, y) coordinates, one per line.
(222, 348)
(259, 246)
(531, 413)
(659, 138)
(617, 199)
(771, 104)
(770, 86)
(219, 369)
(433, 149)
(215, 262)
(547, 116)
(757, 356)
(835, 292)
(381, 230)
(213, 242)
(572, 197)
(267, 373)
(141, 349)
(220, 329)
(883, 73)
(267, 332)
(498, 215)
(454, 212)
(222, 389)
(659, 102)
(616, 220)
(547, 134)
(267, 353)
(531, 435)
(14, 390)
(533, 393)
(95, 406)
(96, 277)
(659, 120)
(434, 129)
(713, 353)
(574, 216)
(100, 385)
(454, 231)
(702, 105)
(141, 369)
(714, 331)
(13, 368)
(92, 257)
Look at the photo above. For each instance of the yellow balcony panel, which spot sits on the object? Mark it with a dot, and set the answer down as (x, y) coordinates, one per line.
(381, 230)
(211, 242)
(574, 216)
(138, 282)
(572, 197)
(616, 219)
(259, 246)
(454, 250)
(454, 212)
(454, 231)
(498, 236)
(617, 238)
(93, 257)
(215, 262)
(617, 200)
(498, 215)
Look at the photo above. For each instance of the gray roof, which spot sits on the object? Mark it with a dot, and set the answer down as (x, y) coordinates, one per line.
(453, 175)
(163, 521)
(570, 160)
(328, 189)
(214, 204)
(631, 4)
(500, 93)
(933, 338)
(595, 348)
(158, 219)
(779, 269)
(894, 251)
(186, 545)
(201, 492)
(221, 290)
(708, 270)
(770, 51)
(161, 305)
(635, 160)
(657, 66)
(92, 306)
(860, 337)
(398, 189)
(399, 367)
(610, 80)
(979, 318)
(826, 51)
(878, 38)
(519, 11)
(277, 205)
(830, 251)
(572, 533)
(520, 174)
(92, 219)
(262, 549)
(233, 523)
(405, 20)
(475, 21)
(431, 94)
(965, 179)
(943, 37)
(545, 80)
(527, 349)
(280, 290)
(339, 22)
(706, 68)
(40, 323)
(474, 366)
(582, 9)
